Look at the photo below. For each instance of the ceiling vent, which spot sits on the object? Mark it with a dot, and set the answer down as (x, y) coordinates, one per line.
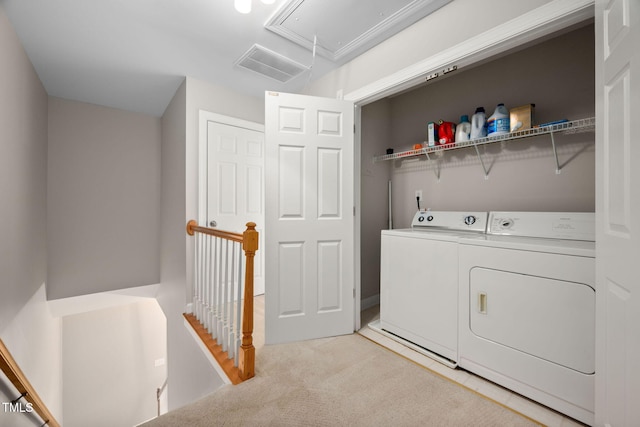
(270, 64)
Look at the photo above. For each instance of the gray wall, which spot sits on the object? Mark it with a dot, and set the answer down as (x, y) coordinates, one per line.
(110, 356)
(375, 135)
(556, 75)
(23, 174)
(103, 199)
(25, 323)
(189, 374)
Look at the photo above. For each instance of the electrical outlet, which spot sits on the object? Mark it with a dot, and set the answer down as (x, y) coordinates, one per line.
(419, 194)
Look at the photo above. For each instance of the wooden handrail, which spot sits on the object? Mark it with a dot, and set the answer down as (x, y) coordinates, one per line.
(192, 227)
(246, 353)
(24, 387)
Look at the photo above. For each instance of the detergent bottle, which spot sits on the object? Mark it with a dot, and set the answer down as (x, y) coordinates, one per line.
(478, 124)
(498, 123)
(463, 130)
(446, 132)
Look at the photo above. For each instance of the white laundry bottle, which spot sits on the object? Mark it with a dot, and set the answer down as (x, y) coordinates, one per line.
(498, 123)
(478, 124)
(463, 130)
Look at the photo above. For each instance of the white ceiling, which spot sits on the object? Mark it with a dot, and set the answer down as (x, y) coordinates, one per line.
(133, 54)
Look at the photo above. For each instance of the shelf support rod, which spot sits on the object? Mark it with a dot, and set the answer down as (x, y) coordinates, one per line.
(555, 153)
(436, 171)
(484, 168)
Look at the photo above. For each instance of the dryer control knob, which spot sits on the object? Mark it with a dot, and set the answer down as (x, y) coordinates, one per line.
(469, 220)
(430, 218)
(420, 218)
(506, 223)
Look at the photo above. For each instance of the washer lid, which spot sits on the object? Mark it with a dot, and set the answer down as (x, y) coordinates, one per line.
(550, 225)
(428, 233)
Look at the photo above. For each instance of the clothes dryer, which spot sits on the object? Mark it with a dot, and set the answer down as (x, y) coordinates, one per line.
(527, 307)
(419, 281)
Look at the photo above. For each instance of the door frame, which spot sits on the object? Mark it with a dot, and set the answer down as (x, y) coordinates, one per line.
(203, 118)
(533, 25)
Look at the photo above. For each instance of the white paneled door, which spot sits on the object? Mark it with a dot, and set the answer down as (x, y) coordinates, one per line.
(309, 271)
(235, 179)
(618, 207)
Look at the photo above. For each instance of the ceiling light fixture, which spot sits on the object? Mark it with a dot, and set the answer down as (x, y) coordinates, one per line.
(244, 6)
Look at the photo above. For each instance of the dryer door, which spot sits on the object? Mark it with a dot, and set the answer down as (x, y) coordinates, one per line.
(547, 318)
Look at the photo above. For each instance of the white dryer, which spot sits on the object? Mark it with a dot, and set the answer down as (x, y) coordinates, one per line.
(527, 307)
(419, 281)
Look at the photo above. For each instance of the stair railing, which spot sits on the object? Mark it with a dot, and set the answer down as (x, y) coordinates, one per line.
(222, 305)
(10, 367)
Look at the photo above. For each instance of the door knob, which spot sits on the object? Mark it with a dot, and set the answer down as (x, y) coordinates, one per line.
(212, 224)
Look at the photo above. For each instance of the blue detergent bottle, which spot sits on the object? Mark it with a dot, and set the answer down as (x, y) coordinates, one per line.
(498, 123)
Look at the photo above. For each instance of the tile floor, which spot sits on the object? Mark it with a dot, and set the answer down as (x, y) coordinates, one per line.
(501, 395)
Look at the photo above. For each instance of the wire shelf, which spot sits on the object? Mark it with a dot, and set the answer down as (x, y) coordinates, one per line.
(575, 126)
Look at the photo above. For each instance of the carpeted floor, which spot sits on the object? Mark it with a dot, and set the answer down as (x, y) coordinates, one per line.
(341, 381)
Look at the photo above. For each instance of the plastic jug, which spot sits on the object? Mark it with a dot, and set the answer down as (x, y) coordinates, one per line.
(463, 130)
(478, 124)
(446, 132)
(498, 123)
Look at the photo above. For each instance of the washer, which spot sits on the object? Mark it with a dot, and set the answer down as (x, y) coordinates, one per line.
(419, 281)
(527, 307)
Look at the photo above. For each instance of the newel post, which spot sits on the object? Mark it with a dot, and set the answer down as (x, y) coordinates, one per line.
(247, 354)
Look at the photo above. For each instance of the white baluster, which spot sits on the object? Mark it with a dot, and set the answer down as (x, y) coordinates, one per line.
(225, 293)
(219, 289)
(239, 304)
(201, 279)
(206, 277)
(214, 289)
(196, 280)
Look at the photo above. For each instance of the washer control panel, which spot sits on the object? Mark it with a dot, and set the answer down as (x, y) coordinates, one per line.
(550, 225)
(451, 220)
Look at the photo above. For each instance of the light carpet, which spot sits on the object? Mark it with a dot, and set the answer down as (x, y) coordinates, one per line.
(341, 381)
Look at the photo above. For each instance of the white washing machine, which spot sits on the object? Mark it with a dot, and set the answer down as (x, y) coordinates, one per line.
(527, 307)
(419, 281)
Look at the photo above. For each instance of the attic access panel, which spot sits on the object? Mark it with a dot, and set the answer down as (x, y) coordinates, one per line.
(347, 28)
